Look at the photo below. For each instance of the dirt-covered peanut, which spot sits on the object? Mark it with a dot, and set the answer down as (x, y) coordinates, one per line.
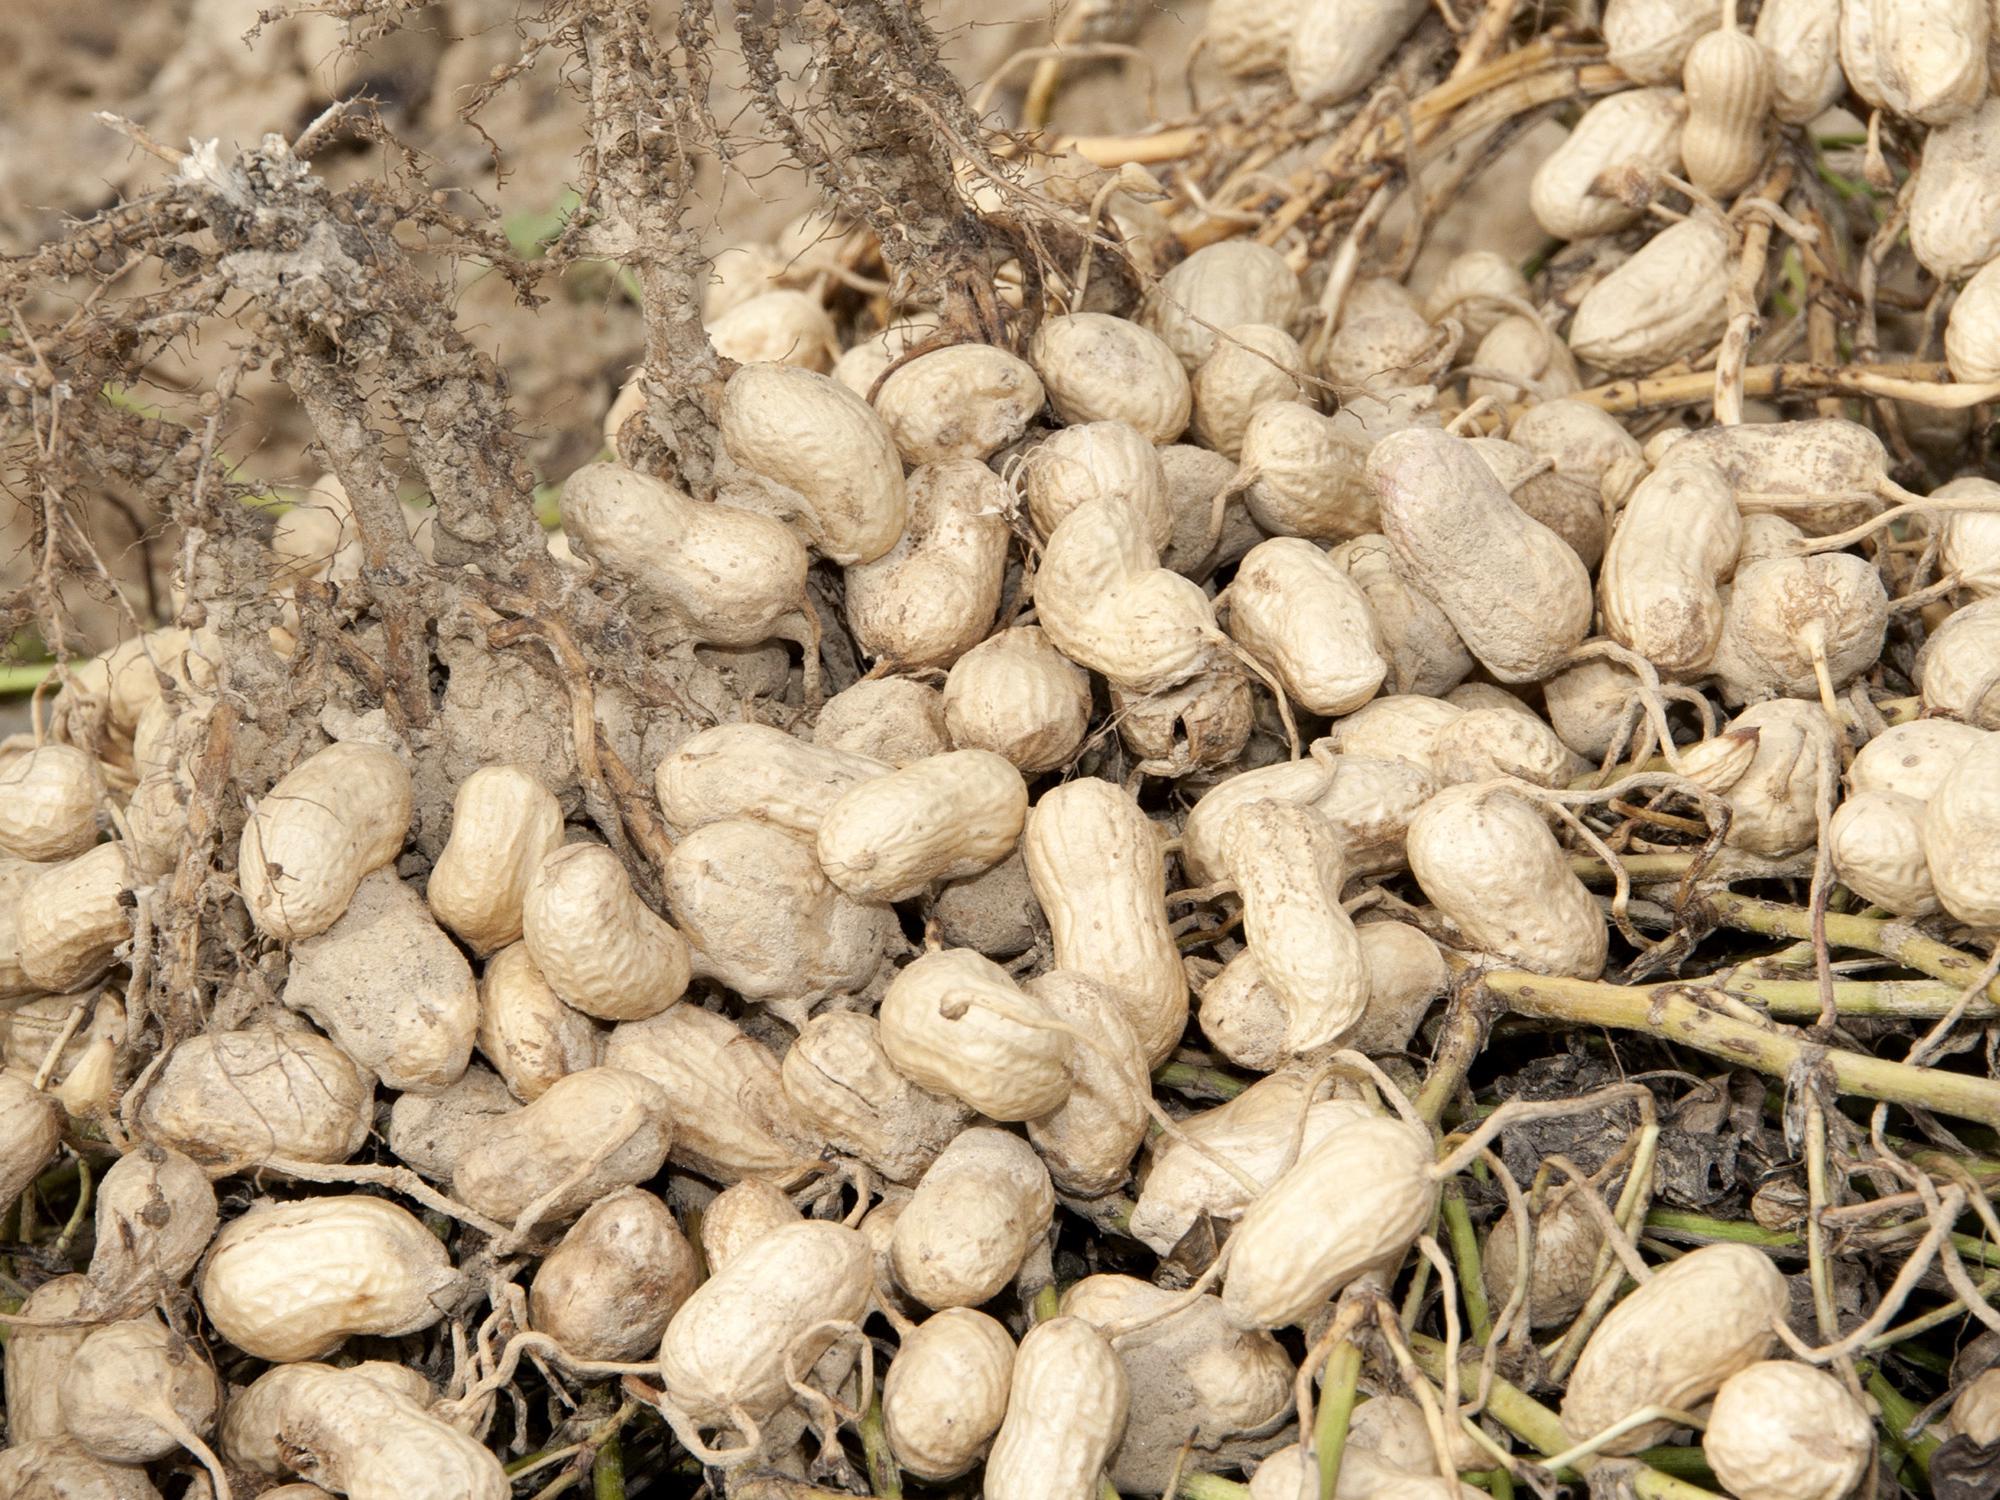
(1962, 836)
(1786, 1431)
(1097, 368)
(739, 1216)
(14, 877)
(724, 1352)
(1100, 878)
(289, 1281)
(1802, 40)
(601, 948)
(931, 597)
(1767, 766)
(760, 915)
(724, 1101)
(156, 1213)
(1517, 594)
(782, 326)
(1673, 1342)
(1975, 1411)
(1972, 331)
(755, 771)
(1220, 286)
(955, 1023)
(1423, 651)
(946, 1392)
(894, 720)
(1252, 365)
(967, 401)
(1786, 614)
(1569, 507)
(942, 818)
(1089, 1140)
(1017, 696)
(1922, 59)
(1196, 478)
(1392, 1431)
(1192, 1374)
(977, 1212)
(48, 803)
(329, 820)
(1960, 668)
(242, 1096)
(1666, 302)
(1591, 704)
(1181, 1183)
(1066, 1411)
(1488, 861)
(590, 1133)
(1583, 442)
(1567, 1239)
(1523, 359)
(1912, 758)
(428, 1133)
(356, 1434)
(814, 436)
(1482, 743)
(1468, 290)
(1303, 617)
(1727, 79)
(994, 913)
(504, 822)
(1382, 342)
(1406, 972)
(1194, 726)
(1090, 461)
(1954, 207)
(1338, 47)
(35, 1358)
(1306, 474)
(1675, 542)
(1638, 128)
(30, 1133)
(134, 1391)
(526, 1031)
(620, 1273)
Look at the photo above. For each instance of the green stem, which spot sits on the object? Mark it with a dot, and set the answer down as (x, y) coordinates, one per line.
(1211, 1487)
(1457, 1048)
(77, 1214)
(885, 1481)
(1336, 1408)
(1892, 938)
(607, 1474)
(1190, 1078)
(1465, 1251)
(1047, 1304)
(23, 678)
(1898, 1412)
(1731, 1231)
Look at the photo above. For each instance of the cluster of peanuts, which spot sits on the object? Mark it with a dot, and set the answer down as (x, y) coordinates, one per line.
(1210, 716)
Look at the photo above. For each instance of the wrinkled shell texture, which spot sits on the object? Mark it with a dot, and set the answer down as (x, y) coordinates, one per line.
(592, 1131)
(1783, 1431)
(939, 819)
(327, 823)
(601, 948)
(241, 1096)
(976, 1213)
(947, 1392)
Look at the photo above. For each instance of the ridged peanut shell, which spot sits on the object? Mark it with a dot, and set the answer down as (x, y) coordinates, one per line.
(526, 1031)
(938, 1034)
(1066, 1411)
(601, 948)
(1089, 1140)
(931, 597)
(242, 1096)
(1960, 671)
(70, 918)
(1424, 654)
(1295, 610)
(946, 1392)
(133, 1387)
(940, 819)
(1638, 128)
(841, 1083)
(1667, 301)
(156, 1214)
(504, 822)
(1018, 696)
(1339, 47)
(591, 1133)
(894, 720)
(967, 401)
(1962, 837)
(1235, 281)
(977, 1212)
(30, 1133)
(1093, 460)
(1307, 475)
(1954, 206)
(1787, 1431)
(1648, 40)
(48, 803)
(755, 771)
(1097, 368)
(1675, 541)
(36, 1357)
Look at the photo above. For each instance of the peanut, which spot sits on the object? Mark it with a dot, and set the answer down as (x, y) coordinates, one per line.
(1639, 128)
(947, 1392)
(1425, 655)
(610, 1288)
(135, 1391)
(968, 401)
(429, 1132)
(1648, 40)
(1660, 585)
(755, 771)
(940, 819)
(526, 1031)
(601, 948)
(841, 1083)
(1097, 368)
(72, 917)
(1960, 676)
(739, 1216)
(1253, 364)
(1801, 38)
(1066, 1410)
(30, 1133)
(1018, 696)
(1306, 474)
(1338, 49)
(1954, 203)
(1091, 461)
(1088, 1141)
(1222, 285)
(1773, 793)
(1298, 613)
(1728, 83)
(781, 326)
(1667, 301)
(1788, 616)
(1569, 507)
(949, 1025)
(894, 720)
(931, 597)
(1962, 836)
(590, 1133)
(48, 803)
(978, 1211)
(36, 1358)
(156, 1214)
(330, 820)
(242, 1096)
(1783, 1431)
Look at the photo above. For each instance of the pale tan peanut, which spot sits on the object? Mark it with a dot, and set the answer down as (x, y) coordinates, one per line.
(878, 1228)
(1669, 300)
(1406, 972)
(946, 1392)
(1568, 1237)
(1222, 285)
(1787, 614)
(601, 948)
(1673, 1341)
(1975, 1412)
(728, 1110)
(739, 1216)
(1569, 507)
(590, 1133)
(504, 822)
(1954, 205)
(56, 1468)
(316, 538)
(1820, 475)
(977, 1212)
(811, 434)
(1066, 1411)
(1300, 614)
(724, 1355)
(940, 819)
(1192, 1374)
(526, 1031)
(1962, 836)
(1483, 743)
(1923, 59)
(1285, 863)
(1382, 341)
(135, 1391)
(387, 985)
(330, 820)
(1424, 654)
(1728, 83)
(1583, 442)
(1306, 474)
(1648, 40)
(1180, 1182)
(1100, 878)
(1801, 38)
(994, 913)
(1089, 1140)
(1784, 1431)
(967, 401)
(1195, 479)
(1970, 547)
(1593, 703)
(782, 326)
(1090, 461)
(1338, 49)
(1252, 365)
(428, 1133)
(155, 820)
(866, 362)
(36, 1357)
(1675, 542)
(1517, 594)
(1354, 1203)
(1972, 332)
(1193, 726)
(1247, 38)
(48, 803)
(155, 1215)
(1912, 758)
(30, 1134)
(71, 918)
(1640, 128)
(33, 1026)
(931, 597)
(115, 686)
(719, 572)
(893, 720)
(1526, 361)
(840, 1082)
(1773, 791)
(1960, 677)
(14, 877)
(1392, 1430)
(1097, 368)
(755, 771)
(620, 1274)
(1017, 696)
(1242, 1016)
(1470, 289)
(1488, 861)
(288, 1281)
(948, 1025)
(1368, 800)
(242, 1096)
(358, 1435)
